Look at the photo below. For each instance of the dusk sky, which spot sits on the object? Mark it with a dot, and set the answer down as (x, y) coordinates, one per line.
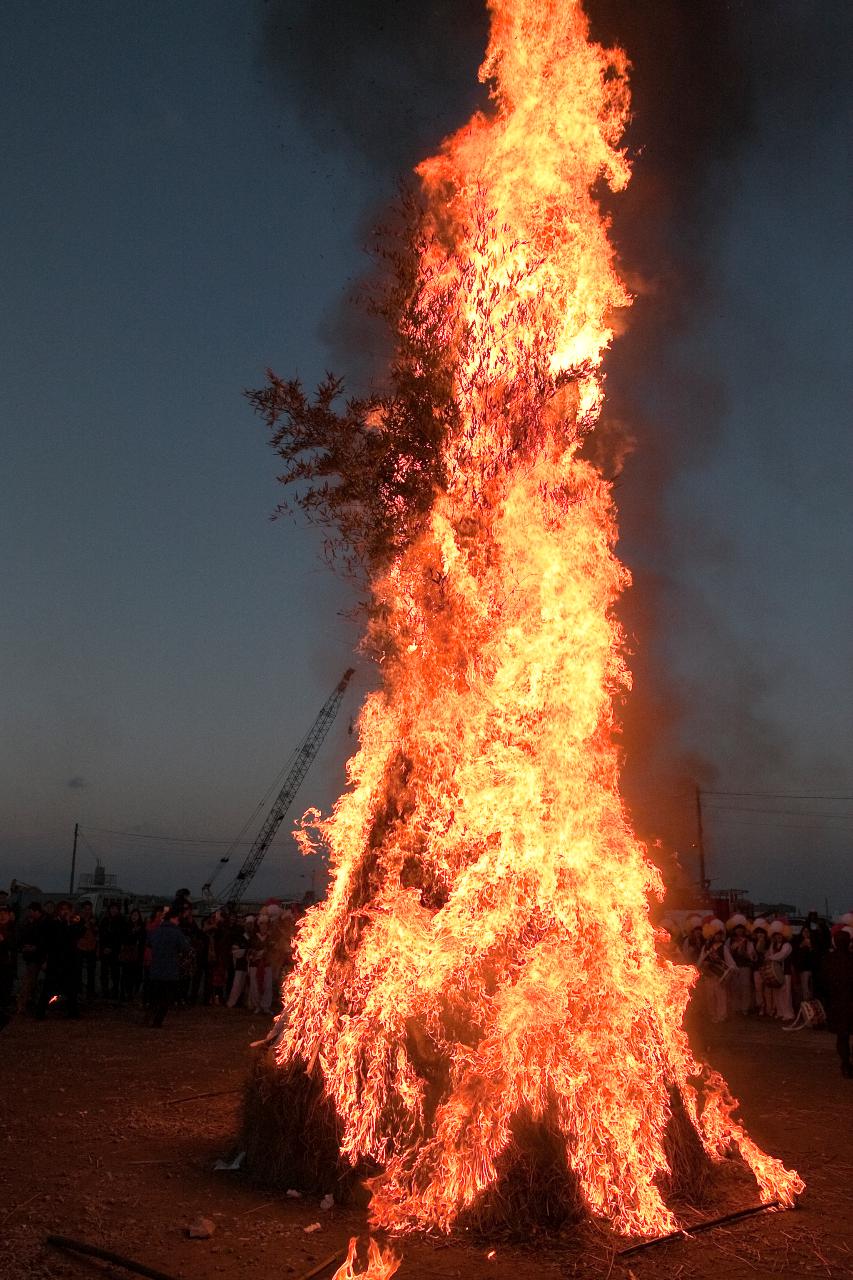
(177, 218)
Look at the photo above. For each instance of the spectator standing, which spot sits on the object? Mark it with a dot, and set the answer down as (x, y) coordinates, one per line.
(260, 975)
(803, 962)
(180, 902)
(220, 961)
(759, 944)
(32, 953)
(821, 937)
(60, 971)
(838, 985)
(199, 942)
(189, 929)
(742, 952)
(111, 937)
(87, 950)
(153, 922)
(168, 944)
(131, 955)
(778, 964)
(232, 931)
(694, 942)
(279, 944)
(8, 961)
(716, 968)
(240, 960)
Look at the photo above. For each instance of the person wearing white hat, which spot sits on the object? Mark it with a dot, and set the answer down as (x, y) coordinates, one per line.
(717, 969)
(777, 973)
(742, 952)
(691, 947)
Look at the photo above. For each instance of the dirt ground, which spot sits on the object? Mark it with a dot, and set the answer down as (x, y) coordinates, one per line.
(99, 1145)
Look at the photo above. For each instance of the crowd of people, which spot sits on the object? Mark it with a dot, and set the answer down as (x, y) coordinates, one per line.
(802, 976)
(61, 954)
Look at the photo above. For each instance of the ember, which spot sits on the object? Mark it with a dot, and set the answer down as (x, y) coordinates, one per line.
(481, 990)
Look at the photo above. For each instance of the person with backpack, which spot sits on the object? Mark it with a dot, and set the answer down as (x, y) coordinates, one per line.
(777, 973)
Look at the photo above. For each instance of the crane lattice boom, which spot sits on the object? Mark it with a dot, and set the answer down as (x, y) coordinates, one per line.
(305, 755)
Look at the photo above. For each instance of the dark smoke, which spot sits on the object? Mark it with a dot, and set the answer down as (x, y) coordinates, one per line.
(705, 76)
(385, 78)
(383, 81)
(692, 93)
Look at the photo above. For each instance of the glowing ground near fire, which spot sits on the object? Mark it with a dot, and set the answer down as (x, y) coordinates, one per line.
(481, 990)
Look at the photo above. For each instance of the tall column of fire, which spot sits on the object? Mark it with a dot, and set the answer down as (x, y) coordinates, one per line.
(485, 965)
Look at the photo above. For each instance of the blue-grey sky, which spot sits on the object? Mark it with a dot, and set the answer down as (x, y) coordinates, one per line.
(176, 219)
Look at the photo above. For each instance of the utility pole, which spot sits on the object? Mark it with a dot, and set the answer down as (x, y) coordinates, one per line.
(700, 841)
(74, 857)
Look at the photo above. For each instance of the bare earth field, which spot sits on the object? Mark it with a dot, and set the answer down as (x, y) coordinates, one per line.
(95, 1147)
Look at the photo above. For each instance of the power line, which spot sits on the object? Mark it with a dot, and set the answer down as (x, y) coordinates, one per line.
(729, 819)
(785, 813)
(139, 835)
(781, 795)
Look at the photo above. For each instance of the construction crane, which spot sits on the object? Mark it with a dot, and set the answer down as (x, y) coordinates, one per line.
(304, 757)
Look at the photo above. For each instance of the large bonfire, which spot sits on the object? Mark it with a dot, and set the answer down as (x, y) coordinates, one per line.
(481, 990)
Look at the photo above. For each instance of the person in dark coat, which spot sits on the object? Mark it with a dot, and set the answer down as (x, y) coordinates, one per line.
(168, 945)
(131, 955)
(8, 961)
(62, 933)
(87, 950)
(32, 954)
(838, 985)
(110, 939)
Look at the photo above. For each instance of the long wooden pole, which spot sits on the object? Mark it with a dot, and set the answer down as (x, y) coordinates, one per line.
(106, 1255)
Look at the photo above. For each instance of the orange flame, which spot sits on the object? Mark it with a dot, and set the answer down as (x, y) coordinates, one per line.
(381, 1264)
(486, 951)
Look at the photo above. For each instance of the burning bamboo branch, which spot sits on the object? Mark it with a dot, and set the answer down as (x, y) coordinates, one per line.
(479, 1020)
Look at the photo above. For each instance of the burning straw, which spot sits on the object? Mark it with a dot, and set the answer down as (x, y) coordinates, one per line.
(479, 1018)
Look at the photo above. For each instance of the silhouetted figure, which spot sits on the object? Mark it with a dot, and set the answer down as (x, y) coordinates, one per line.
(87, 951)
(32, 953)
(131, 954)
(838, 984)
(62, 932)
(180, 902)
(168, 944)
(8, 961)
(111, 937)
